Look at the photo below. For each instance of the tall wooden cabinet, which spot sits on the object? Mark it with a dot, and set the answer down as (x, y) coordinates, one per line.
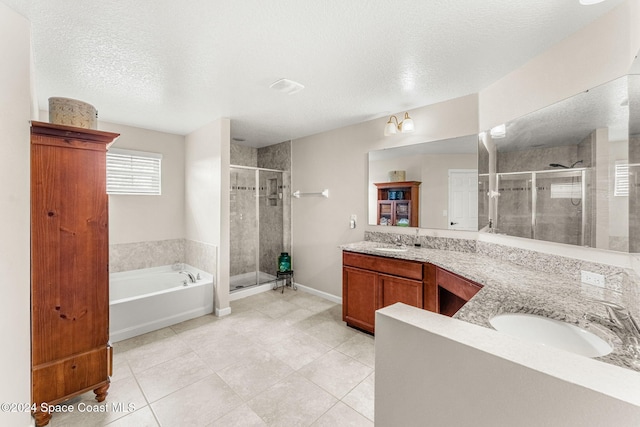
(399, 203)
(70, 352)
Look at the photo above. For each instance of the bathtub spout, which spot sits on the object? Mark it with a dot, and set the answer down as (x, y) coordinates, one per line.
(192, 278)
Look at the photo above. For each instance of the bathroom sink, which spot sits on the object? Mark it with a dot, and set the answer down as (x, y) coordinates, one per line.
(392, 249)
(551, 332)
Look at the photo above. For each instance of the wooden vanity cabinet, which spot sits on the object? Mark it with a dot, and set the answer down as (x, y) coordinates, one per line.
(453, 292)
(70, 352)
(372, 282)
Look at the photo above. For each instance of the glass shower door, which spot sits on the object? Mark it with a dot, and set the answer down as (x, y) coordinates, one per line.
(514, 204)
(243, 229)
(271, 224)
(560, 206)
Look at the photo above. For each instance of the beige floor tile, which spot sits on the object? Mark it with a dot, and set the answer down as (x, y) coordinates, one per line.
(331, 332)
(254, 374)
(88, 412)
(227, 352)
(245, 321)
(336, 373)
(312, 303)
(270, 332)
(155, 353)
(194, 323)
(121, 369)
(242, 416)
(361, 348)
(361, 398)
(302, 319)
(140, 340)
(198, 404)
(343, 416)
(208, 334)
(165, 378)
(294, 401)
(298, 350)
(277, 308)
(141, 418)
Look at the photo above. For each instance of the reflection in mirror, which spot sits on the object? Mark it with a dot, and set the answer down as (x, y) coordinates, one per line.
(634, 158)
(555, 171)
(446, 171)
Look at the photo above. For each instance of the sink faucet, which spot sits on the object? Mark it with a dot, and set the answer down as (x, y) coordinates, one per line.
(398, 240)
(189, 274)
(620, 320)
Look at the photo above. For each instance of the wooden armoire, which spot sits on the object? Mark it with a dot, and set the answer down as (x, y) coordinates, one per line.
(70, 352)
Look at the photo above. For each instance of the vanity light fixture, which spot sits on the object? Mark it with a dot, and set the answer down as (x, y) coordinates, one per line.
(498, 132)
(405, 126)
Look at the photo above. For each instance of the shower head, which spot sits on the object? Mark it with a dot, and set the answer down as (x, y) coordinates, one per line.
(558, 165)
(579, 161)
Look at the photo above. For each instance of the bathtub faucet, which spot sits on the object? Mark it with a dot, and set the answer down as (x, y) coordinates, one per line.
(192, 278)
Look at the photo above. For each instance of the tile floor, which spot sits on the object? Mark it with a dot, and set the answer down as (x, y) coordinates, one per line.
(277, 360)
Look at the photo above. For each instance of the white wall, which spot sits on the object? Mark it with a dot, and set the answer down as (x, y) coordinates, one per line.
(15, 112)
(207, 156)
(146, 218)
(434, 370)
(337, 160)
(598, 53)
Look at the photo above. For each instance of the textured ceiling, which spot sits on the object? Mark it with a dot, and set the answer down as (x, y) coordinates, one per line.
(175, 66)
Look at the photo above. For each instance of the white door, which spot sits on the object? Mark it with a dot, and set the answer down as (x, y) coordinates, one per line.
(463, 199)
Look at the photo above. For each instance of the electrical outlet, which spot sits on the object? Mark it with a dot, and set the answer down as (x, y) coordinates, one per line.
(590, 278)
(352, 221)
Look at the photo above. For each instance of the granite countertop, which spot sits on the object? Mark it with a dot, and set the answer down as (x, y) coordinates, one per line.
(509, 287)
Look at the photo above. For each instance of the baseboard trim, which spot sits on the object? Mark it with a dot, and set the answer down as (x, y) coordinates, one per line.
(321, 294)
(223, 311)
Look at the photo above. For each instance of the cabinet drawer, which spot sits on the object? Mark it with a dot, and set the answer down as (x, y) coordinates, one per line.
(455, 284)
(395, 267)
(55, 381)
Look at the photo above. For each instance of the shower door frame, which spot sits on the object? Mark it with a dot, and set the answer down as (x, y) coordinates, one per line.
(534, 196)
(257, 210)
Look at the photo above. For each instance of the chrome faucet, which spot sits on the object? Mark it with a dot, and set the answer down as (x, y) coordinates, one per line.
(189, 274)
(621, 321)
(398, 240)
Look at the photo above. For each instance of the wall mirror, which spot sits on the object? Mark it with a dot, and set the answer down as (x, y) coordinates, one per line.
(561, 174)
(445, 175)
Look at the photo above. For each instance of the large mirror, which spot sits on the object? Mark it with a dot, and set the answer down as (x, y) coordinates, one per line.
(442, 173)
(561, 174)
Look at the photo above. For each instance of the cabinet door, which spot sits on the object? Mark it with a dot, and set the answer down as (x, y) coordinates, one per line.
(359, 297)
(393, 289)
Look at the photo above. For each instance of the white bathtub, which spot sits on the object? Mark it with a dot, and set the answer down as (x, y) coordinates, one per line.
(142, 301)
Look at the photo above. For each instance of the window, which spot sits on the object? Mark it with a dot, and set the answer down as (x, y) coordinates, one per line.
(133, 172)
(621, 178)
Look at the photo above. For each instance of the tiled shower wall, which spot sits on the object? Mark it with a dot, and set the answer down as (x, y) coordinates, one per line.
(137, 255)
(274, 211)
(558, 220)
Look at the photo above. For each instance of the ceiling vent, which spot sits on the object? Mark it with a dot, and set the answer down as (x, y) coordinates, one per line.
(287, 86)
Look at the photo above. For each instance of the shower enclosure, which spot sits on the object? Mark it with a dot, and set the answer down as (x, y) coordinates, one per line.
(550, 205)
(259, 224)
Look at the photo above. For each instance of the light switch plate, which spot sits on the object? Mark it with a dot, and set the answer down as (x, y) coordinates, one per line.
(590, 278)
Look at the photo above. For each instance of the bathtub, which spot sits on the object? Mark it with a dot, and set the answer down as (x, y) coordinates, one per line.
(142, 301)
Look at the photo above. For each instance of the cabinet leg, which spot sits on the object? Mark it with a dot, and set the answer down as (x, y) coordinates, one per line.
(42, 418)
(101, 392)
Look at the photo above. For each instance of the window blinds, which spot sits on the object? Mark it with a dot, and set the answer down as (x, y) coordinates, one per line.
(133, 172)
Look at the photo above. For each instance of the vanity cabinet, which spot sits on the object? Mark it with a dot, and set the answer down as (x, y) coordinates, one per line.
(372, 282)
(70, 352)
(398, 203)
(453, 292)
